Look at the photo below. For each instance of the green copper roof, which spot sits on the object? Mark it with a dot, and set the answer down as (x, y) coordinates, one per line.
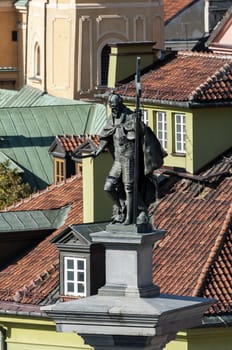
(28, 126)
(31, 97)
(6, 95)
(16, 221)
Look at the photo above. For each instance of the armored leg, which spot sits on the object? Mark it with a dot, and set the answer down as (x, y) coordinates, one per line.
(114, 188)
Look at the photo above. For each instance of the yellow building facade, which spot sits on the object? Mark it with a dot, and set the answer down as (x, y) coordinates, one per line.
(13, 44)
(37, 333)
(197, 153)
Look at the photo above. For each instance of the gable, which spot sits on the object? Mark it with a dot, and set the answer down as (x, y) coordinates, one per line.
(220, 39)
(173, 9)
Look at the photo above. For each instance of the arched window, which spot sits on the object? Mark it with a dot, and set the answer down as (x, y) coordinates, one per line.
(105, 64)
(37, 60)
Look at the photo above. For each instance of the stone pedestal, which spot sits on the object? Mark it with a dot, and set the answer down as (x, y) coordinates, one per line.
(128, 261)
(128, 313)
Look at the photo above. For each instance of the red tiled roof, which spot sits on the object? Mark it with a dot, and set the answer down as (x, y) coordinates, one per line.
(195, 256)
(189, 76)
(172, 8)
(193, 259)
(54, 196)
(31, 278)
(71, 142)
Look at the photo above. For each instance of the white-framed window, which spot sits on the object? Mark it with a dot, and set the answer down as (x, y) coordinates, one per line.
(75, 276)
(180, 133)
(161, 128)
(145, 116)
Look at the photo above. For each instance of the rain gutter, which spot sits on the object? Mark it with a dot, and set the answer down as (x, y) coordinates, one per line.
(181, 104)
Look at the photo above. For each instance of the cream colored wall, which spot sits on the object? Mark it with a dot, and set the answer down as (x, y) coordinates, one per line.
(61, 48)
(38, 334)
(76, 33)
(36, 34)
(22, 43)
(105, 22)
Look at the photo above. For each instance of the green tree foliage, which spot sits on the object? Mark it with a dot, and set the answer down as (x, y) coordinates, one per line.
(11, 187)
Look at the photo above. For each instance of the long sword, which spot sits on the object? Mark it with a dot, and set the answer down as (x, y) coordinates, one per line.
(137, 122)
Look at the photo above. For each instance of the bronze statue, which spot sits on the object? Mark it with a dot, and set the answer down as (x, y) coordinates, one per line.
(119, 136)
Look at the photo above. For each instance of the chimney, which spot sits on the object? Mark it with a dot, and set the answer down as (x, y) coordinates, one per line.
(122, 60)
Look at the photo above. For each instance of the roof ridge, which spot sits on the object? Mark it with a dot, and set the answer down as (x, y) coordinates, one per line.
(213, 253)
(77, 135)
(204, 54)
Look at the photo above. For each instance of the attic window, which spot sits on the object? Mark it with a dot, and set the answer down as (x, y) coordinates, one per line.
(59, 170)
(79, 168)
(75, 276)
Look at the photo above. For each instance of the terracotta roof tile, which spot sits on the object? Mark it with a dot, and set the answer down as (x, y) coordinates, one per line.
(72, 142)
(195, 256)
(31, 286)
(172, 8)
(54, 196)
(188, 76)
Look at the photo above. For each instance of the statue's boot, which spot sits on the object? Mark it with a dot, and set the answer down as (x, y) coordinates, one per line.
(118, 208)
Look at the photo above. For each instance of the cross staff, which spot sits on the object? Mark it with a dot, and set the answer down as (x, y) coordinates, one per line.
(137, 122)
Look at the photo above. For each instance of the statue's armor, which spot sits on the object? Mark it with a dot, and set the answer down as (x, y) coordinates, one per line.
(119, 136)
(124, 152)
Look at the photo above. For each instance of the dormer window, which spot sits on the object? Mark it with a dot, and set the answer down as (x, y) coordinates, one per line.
(75, 276)
(82, 262)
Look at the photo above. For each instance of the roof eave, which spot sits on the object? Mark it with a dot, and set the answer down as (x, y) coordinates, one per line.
(182, 104)
(217, 320)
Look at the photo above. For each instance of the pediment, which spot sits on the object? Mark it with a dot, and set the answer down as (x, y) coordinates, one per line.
(77, 237)
(71, 238)
(87, 147)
